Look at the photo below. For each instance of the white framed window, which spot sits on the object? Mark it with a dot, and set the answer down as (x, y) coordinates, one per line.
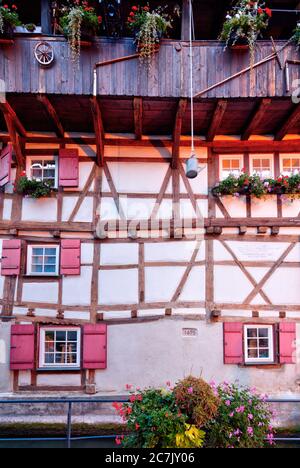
(60, 347)
(259, 344)
(43, 260)
(43, 168)
(231, 164)
(289, 164)
(262, 165)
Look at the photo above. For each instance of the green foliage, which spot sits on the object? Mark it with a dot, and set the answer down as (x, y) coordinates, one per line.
(196, 399)
(32, 188)
(243, 420)
(244, 184)
(149, 27)
(155, 421)
(8, 17)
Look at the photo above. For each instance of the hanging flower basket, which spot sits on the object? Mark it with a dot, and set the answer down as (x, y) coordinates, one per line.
(9, 19)
(238, 43)
(148, 28)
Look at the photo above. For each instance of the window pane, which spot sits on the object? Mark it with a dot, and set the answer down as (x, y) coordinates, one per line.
(252, 343)
(263, 343)
(37, 269)
(263, 332)
(252, 332)
(50, 251)
(226, 164)
(50, 269)
(264, 353)
(37, 251)
(59, 358)
(49, 335)
(72, 336)
(61, 336)
(235, 164)
(253, 353)
(266, 163)
(295, 163)
(49, 358)
(36, 260)
(49, 347)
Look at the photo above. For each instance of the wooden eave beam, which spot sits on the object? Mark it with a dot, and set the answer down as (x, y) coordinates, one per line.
(138, 117)
(291, 121)
(99, 130)
(8, 110)
(216, 120)
(182, 105)
(16, 141)
(59, 130)
(256, 118)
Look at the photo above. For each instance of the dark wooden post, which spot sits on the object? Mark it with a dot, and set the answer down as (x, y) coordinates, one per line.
(185, 21)
(46, 16)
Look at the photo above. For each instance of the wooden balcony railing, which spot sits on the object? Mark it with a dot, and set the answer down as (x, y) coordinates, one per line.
(167, 77)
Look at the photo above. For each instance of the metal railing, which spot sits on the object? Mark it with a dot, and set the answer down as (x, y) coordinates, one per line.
(70, 403)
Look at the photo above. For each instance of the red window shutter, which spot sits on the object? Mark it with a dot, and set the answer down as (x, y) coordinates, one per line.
(233, 343)
(70, 257)
(287, 343)
(68, 168)
(22, 347)
(5, 165)
(95, 346)
(11, 258)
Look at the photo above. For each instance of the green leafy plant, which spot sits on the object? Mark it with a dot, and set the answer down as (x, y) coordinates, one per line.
(77, 20)
(9, 18)
(196, 399)
(32, 188)
(31, 27)
(243, 419)
(246, 184)
(245, 23)
(148, 27)
(154, 420)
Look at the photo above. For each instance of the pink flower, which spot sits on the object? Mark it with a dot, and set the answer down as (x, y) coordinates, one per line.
(250, 431)
(250, 416)
(270, 438)
(213, 384)
(128, 386)
(227, 402)
(241, 409)
(237, 432)
(118, 441)
(132, 398)
(168, 383)
(231, 415)
(190, 390)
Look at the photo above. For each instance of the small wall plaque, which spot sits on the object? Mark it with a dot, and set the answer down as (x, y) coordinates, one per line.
(190, 332)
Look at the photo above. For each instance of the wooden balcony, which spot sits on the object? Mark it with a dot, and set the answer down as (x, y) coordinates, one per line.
(168, 76)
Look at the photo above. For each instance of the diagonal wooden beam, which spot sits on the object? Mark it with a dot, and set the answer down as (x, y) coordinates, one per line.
(138, 117)
(16, 141)
(8, 110)
(99, 130)
(182, 105)
(256, 118)
(59, 130)
(293, 119)
(216, 120)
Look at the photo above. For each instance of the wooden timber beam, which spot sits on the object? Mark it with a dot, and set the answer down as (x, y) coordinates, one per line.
(138, 117)
(293, 119)
(216, 120)
(99, 130)
(182, 105)
(16, 141)
(52, 114)
(256, 118)
(8, 110)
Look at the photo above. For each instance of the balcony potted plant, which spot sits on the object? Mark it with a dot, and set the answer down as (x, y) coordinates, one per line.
(244, 24)
(148, 28)
(80, 24)
(9, 19)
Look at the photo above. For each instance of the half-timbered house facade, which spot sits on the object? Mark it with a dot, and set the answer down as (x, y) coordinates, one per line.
(129, 272)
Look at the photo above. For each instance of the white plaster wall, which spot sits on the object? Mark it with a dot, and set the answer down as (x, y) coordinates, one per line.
(76, 290)
(39, 292)
(59, 380)
(44, 209)
(170, 251)
(162, 282)
(118, 287)
(159, 353)
(7, 207)
(85, 169)
(5, 376)
(119, 254)
(85, 212)
(87, 252)
(261, 208)
(231, 285)
(236, 207)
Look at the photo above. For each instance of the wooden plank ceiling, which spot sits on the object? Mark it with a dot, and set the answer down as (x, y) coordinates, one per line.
(243, 117)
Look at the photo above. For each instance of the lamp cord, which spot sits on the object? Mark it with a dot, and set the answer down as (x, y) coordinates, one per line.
(192, 78)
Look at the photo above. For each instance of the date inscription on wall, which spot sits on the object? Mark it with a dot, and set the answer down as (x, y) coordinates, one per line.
(190, 332)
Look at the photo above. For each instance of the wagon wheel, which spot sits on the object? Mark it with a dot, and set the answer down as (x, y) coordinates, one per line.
(44, 54)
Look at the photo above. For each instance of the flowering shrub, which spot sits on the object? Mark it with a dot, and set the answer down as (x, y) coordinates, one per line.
(77, 19)
(245, 24)
(32, 188)
(244, 184)
(196, 399)
(243, 420)
(155, 421)
(148, 28)
(9, 18)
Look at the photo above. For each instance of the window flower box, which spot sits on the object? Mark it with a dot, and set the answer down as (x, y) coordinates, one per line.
(9, 20)
(32, 188)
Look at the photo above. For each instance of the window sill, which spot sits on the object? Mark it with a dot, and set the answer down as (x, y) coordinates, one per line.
(268, 365)
(58, 369)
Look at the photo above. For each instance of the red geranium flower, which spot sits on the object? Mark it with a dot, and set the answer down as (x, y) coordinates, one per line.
(134, 8)
(260, 11)
(268, 12)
